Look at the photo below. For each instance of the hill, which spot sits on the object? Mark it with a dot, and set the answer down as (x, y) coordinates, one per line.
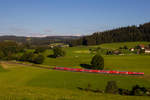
(123, 34)
(46, 84)
(39, 40)
(29, 82)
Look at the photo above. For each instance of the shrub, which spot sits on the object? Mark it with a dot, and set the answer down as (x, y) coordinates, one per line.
(125, 47)
(38, 59)
(139, 91)
(58, 52)
(109, 53)
(27, 56)
(120, 48)
(97, 62)
(1, 54)
(111, 87)
(137, 47)
(124, 92)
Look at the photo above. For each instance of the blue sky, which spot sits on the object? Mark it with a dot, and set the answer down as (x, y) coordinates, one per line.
(69, 17)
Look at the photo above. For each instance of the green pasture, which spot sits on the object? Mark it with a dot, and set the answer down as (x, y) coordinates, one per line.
(121, 44)
(25, 82)
(30, 83)
(81, 55)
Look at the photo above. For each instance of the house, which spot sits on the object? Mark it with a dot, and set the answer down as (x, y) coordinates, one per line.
(142, 46)
(147, 51)
(116, 52)
(132, 49)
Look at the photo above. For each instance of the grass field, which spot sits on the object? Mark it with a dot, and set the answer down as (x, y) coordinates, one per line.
(121, 44)
(22, 82)
(27, 82)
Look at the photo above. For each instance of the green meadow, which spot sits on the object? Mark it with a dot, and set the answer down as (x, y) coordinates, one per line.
(25, 82)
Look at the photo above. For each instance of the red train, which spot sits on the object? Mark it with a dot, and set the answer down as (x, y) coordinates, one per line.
(99, 71)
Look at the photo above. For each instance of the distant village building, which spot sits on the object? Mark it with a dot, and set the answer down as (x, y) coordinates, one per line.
(142, 47)
(116, 52)
(147, 51)
(132, 49)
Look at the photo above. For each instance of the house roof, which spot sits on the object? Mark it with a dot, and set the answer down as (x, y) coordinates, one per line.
(147, 49)
(141, 45)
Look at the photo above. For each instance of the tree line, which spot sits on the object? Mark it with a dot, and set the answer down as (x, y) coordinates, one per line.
(122, 34)
(112, 88)
(11, 50)
(38, 40)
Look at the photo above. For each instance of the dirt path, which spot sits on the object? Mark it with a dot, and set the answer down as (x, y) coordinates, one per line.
(7, 64)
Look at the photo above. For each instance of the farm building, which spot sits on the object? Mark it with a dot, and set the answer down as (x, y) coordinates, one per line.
(147, 51)
(132, 49)
(116, 52)
(142, 46)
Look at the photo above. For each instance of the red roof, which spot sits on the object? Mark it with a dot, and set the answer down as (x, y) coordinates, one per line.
(142, 46)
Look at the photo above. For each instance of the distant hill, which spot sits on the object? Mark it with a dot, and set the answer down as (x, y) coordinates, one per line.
(123, 34)
(39, 40)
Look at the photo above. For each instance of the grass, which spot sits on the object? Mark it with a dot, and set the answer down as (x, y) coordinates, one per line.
(29, 82)
(121, 44)
(2, 69)
(22, 82)
(139, 63)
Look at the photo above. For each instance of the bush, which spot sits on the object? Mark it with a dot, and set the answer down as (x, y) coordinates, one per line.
(139, 91)
(38, 59)
(31, 57)
(138, 47)
(27, 56)
(58, 52)
(111, 87)
(109, 53)
(97, 62)
(120, 48)
(124, 92)
(1, 54)
(125, 47)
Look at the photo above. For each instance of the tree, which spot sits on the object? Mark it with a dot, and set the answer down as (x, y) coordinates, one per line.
(138, 91)
(111, 87)
(137, 47)
(27, 56)
(1, 55)
(58, 52)
(148, 45)
(97, 62)
(38, 59)
(132, 33)
(125, 47)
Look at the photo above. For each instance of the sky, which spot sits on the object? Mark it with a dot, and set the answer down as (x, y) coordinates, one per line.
(69, 17)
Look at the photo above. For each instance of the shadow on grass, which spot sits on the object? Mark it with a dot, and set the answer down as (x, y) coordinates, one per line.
(51, 56)
(86, 66)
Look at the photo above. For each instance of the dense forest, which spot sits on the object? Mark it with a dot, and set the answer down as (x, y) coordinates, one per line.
(123, 34)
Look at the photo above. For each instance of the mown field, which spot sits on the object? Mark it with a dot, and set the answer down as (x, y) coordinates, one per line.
(22, 82)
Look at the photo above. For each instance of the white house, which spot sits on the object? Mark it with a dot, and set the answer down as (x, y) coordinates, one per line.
(132, 49)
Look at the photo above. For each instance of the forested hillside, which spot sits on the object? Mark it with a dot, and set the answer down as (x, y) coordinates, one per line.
(123, 34)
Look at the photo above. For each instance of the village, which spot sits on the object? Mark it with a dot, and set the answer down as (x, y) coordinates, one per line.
(139, 49)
